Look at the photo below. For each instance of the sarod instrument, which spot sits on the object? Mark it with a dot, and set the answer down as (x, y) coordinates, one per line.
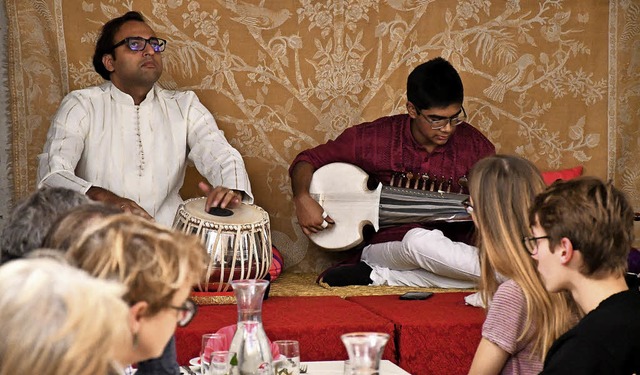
(238, 241)
(341, 189)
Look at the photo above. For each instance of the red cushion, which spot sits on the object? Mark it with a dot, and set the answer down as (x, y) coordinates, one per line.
(563, 174)
(436, 336)
(316, 322)
(276, 264)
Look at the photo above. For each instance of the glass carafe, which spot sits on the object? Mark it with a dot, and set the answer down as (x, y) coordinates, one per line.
(250, 341)
(365, 351)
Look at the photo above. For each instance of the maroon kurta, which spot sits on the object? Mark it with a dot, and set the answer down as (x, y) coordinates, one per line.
(386, 147)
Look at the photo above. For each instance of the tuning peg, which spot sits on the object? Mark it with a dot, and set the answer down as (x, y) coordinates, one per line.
(401, 181)
(417, 181)
(425, 180)
(409, 177)
(442, 180)
(463, 182)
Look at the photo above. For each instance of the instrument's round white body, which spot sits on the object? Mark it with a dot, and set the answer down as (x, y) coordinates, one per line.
(341, 189)
(238, 246)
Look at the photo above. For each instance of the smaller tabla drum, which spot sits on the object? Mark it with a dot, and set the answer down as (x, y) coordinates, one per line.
(238, 241)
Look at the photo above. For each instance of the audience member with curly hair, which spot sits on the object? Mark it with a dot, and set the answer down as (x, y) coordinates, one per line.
(158, 266)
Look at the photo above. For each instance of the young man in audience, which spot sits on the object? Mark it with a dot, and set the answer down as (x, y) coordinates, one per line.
(582, 233)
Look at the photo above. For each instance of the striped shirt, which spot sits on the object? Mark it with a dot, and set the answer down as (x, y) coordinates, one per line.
(505, 322)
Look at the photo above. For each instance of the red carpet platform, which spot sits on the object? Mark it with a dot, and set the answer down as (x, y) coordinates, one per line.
(316, 322)
(435, 336)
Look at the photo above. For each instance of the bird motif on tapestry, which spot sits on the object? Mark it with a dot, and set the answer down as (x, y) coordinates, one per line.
(256, 16)
(634, 59)
(408, 4)
(509, 76)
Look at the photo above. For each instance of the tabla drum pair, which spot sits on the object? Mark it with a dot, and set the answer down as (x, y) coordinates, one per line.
(238, 241)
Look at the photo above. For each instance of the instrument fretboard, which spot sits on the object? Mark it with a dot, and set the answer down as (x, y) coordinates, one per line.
(403, 205)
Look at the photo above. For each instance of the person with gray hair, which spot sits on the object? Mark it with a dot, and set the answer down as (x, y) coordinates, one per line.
(30, 220)
(57, 320)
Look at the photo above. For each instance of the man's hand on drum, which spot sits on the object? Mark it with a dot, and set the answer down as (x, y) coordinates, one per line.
(311, 216)
(126, 205)
(220, 196)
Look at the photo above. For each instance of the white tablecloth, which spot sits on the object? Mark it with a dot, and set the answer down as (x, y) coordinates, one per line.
(337, 368)
(334, 368)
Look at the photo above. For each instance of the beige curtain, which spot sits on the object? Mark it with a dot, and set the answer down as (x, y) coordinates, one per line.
(555, 81)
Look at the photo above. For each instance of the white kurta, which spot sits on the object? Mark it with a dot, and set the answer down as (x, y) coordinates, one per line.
(99, 137)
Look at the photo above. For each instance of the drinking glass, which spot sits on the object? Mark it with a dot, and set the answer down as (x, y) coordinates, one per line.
(221, 363)
(289, 361)
(348, 370)
(365, 351)
(210, 342)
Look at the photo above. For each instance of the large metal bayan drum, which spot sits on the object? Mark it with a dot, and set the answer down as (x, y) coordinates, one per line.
(238, 241)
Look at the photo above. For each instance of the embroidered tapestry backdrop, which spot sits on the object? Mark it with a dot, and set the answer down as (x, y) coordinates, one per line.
(555, 81)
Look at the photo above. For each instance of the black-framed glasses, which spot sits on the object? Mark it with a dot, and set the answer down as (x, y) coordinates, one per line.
(531, 243)
(187, 312)
(440, 122)
(468, 206)
(138, 43)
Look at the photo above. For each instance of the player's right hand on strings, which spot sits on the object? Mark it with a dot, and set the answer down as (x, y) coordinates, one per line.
(311, 216)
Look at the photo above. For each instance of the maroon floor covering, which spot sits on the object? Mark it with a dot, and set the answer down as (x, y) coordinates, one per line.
(316, 322)
(435, 336)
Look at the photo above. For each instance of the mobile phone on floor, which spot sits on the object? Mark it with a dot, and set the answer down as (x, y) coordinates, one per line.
(416, 295)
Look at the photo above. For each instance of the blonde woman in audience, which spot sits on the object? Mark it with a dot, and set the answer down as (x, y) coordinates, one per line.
(156, 264)
(522, 319)
(58, 320)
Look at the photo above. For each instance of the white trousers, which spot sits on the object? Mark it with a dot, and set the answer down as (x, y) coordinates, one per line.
(424, 258)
